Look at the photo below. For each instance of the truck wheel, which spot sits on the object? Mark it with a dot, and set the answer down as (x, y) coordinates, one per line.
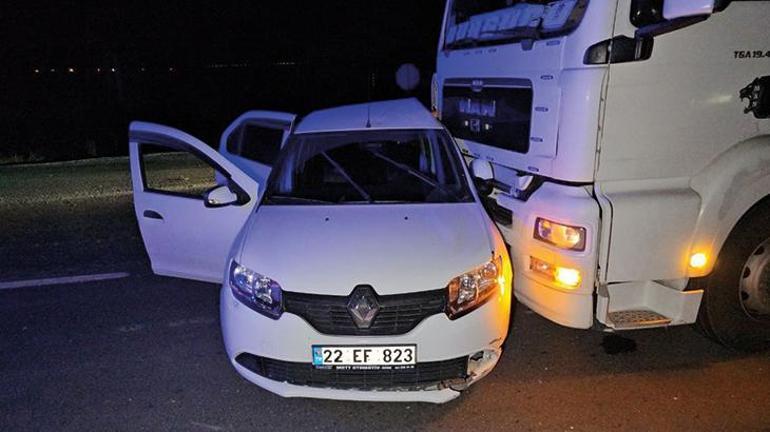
(736, 300)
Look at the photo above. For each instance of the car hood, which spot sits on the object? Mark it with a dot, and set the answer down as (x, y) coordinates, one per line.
(394, 248)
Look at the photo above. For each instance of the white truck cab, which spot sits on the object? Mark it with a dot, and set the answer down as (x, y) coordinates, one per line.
(627, 149)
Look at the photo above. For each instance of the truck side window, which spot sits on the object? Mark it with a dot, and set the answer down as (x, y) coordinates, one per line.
(173, 171)
(256, 143)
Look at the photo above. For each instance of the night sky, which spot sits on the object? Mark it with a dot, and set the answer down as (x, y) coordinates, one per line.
(194, 64)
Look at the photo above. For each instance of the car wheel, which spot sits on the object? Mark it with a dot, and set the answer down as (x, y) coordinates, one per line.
(736, 299)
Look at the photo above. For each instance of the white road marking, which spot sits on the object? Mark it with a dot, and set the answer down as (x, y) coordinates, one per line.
(36, 283)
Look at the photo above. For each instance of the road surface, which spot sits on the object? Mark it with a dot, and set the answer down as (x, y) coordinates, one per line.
(142, 352)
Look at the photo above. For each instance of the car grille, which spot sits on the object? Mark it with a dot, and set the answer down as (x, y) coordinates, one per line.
(304, 374)
(398, 313)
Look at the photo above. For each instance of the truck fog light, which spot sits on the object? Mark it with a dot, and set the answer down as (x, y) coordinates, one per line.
(563, 275)
(568, 276)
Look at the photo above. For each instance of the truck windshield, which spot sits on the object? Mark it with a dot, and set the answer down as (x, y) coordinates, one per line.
(486, 22)
(368, 167)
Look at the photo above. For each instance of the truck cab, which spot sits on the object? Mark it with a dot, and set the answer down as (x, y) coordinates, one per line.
(625, 146)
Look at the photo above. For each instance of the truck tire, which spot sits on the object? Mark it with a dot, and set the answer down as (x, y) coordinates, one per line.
(736, 300)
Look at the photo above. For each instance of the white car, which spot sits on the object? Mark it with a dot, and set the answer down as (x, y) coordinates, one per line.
(356, 259)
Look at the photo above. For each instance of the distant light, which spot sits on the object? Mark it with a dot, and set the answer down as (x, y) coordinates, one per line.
(143, 69)
(98, 70)
(113, 70)
(171, 69)
(53, 70)
(71, 70)
(37, 71)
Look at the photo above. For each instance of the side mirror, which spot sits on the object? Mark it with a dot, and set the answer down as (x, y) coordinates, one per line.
(673, 9)
(220, 196)
(483, 176)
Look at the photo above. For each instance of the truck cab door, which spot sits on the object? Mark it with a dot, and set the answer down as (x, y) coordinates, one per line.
(254, 140)
(187, 218)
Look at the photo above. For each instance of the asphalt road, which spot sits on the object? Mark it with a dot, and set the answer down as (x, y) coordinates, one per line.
(145, 352)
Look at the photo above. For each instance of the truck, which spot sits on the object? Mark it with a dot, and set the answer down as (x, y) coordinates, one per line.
(624, 150)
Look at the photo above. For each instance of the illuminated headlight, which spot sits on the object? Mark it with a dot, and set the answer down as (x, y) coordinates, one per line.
(474, 288)
(256, 291)
(560, 235)
(566, 276)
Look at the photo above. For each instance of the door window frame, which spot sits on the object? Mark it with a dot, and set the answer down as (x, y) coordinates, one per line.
(151, 138)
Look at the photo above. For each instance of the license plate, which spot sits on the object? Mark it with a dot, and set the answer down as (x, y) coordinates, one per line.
(365, 356)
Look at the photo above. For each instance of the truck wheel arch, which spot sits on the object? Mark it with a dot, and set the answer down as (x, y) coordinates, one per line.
(730, 186)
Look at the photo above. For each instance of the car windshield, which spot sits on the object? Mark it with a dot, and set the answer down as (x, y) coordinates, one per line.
(484, 22)
(369, 167)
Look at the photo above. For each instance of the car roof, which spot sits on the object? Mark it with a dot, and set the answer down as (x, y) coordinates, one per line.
(392, 114)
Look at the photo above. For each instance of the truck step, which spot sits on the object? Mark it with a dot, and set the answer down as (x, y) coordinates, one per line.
(634, 319)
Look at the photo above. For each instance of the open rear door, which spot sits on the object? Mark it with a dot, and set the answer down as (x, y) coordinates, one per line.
(188, 222)
(253, 141)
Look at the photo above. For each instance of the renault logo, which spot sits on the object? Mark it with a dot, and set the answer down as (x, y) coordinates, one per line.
(363, 306)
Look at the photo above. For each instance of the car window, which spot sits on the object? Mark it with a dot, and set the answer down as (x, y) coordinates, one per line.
(376, 167)
(256, 143)
(174, 171)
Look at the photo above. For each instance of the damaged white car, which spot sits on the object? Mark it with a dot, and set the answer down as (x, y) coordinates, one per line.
(356, 259)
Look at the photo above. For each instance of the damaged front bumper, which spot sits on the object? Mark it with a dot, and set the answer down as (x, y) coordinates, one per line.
(279, 354)
(437, 392)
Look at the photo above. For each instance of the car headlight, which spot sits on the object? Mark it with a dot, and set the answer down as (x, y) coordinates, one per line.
(562, 236)
(474, 288)
(256, 291)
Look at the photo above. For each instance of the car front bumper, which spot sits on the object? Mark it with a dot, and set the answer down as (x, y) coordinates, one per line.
(290, 338)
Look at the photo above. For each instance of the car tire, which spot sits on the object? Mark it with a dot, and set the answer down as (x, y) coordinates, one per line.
(723, 315)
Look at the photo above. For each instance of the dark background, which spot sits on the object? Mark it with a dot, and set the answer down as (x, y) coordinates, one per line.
(194, 65)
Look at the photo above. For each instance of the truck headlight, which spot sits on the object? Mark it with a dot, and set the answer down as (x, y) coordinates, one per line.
(258, 292)
(474, 288)
(562, 236)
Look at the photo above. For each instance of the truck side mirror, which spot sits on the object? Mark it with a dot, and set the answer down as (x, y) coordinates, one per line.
(483, 176)
(673, 9)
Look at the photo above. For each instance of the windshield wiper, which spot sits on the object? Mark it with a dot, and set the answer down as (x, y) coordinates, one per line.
(415, 173)
(295, 199)
(347, 177)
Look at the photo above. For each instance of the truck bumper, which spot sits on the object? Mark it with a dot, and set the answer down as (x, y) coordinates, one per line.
(572, 205)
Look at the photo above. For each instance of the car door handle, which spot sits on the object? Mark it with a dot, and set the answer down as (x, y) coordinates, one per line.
(152, 214)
